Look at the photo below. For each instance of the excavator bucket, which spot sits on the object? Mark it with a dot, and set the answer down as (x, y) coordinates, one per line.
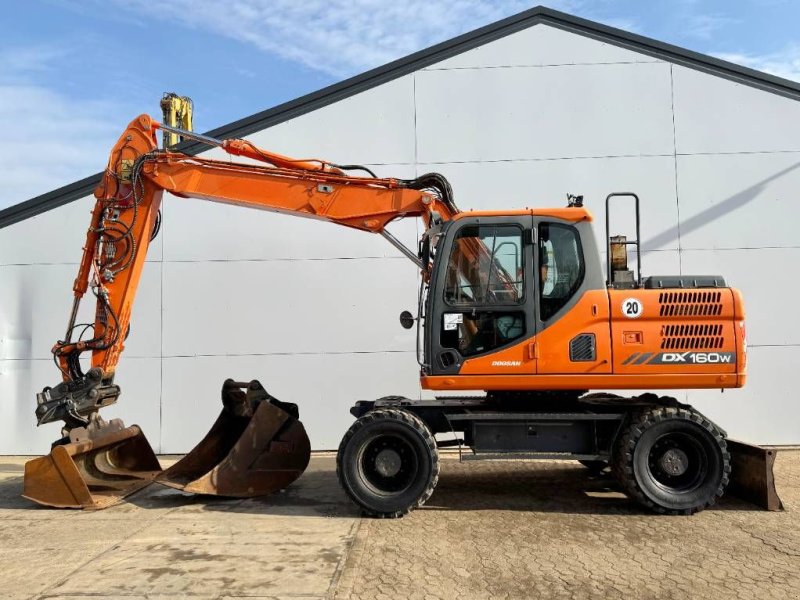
(752, 478)
(96, 469)
(256, 446)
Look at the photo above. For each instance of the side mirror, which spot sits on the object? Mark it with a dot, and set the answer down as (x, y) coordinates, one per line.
(406, 320)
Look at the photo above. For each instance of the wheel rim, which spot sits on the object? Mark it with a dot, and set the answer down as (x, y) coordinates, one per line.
(388, 464)
(677, 463)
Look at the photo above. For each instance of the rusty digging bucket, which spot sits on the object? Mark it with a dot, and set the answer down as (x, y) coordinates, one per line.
(256, 446)
(100, 465)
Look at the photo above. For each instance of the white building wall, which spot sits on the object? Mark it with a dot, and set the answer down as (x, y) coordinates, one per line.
(311, 309)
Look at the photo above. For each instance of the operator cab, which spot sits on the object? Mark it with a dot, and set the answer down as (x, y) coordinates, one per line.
(498, 280)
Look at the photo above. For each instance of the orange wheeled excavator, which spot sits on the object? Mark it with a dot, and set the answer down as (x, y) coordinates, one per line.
(511, 303)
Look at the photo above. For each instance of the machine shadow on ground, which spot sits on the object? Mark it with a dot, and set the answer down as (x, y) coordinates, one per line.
(548, 488)
(526, 487)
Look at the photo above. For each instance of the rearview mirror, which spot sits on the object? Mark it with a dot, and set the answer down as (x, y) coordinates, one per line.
(406, 320)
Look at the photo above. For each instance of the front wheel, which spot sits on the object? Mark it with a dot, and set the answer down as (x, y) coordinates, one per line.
(388, 462)
(672, 460)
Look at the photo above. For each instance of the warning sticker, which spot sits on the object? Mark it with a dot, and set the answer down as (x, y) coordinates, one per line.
(452, 321)
(632, 308)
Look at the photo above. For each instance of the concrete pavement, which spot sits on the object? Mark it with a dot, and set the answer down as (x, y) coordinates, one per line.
(491, 530)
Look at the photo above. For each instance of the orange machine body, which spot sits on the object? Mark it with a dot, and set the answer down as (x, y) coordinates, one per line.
(678, 339)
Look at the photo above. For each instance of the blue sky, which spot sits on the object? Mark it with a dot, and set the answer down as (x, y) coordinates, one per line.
(73, 73)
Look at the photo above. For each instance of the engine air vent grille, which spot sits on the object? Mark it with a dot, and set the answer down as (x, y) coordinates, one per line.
(583, 348)
(692, 337)
(690, 304)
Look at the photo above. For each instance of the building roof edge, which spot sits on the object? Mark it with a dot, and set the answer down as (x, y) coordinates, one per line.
(421, 59)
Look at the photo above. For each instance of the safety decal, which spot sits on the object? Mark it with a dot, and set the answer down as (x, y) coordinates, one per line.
(632, 308)
(452, 320)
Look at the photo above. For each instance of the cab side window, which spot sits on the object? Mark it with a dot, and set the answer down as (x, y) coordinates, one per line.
(561, 267)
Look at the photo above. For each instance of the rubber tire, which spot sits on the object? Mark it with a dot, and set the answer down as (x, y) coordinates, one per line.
(630, 465)
(595, 466)
(397, 422)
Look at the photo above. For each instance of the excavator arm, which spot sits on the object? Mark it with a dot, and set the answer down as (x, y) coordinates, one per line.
(125, 219)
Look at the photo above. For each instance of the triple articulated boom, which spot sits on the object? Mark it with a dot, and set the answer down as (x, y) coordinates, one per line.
(511, 303)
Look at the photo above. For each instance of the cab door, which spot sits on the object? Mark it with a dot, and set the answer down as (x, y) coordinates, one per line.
(481, 302)
(573, 325)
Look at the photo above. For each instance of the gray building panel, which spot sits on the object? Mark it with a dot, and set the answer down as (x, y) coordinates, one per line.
(565, 111)
(516, 116)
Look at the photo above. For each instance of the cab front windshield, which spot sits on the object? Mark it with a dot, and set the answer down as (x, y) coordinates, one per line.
(485, 266)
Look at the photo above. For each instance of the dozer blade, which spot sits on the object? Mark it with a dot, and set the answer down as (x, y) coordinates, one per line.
(256, 446)
(752, 478)
(96, 469)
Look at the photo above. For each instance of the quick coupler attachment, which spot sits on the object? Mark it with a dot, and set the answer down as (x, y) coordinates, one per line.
(74, 401)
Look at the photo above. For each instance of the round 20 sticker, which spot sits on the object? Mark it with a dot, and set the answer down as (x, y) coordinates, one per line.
(632, 308)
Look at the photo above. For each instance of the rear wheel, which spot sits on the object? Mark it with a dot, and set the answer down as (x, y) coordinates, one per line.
(388, 462)
(672, 460)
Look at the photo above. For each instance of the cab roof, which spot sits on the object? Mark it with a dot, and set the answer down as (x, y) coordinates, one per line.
(571, 213)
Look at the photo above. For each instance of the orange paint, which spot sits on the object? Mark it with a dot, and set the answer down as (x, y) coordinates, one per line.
(643, 339)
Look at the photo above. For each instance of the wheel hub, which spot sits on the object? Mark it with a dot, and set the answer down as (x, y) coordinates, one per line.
(674, 462)
(388, 462)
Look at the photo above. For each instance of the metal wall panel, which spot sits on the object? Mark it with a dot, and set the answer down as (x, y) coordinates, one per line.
(716, 115)
(375, 126)
(54, 237)
(20, 380)
(529, 112)
(541, 45)
(545, 183)
(655, 262)
(766, 410)
(739, 200)
(36, 302)
(324, 386)
(764, 278)
(518, 122)
(294, 306)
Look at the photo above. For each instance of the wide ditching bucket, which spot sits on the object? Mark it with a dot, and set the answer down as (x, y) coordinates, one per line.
(96, 468)
(256, 446)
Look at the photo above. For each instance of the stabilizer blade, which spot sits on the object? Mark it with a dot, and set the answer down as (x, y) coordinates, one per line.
(752, 478)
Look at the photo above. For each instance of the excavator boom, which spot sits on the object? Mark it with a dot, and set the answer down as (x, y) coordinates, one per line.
(96, 463)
